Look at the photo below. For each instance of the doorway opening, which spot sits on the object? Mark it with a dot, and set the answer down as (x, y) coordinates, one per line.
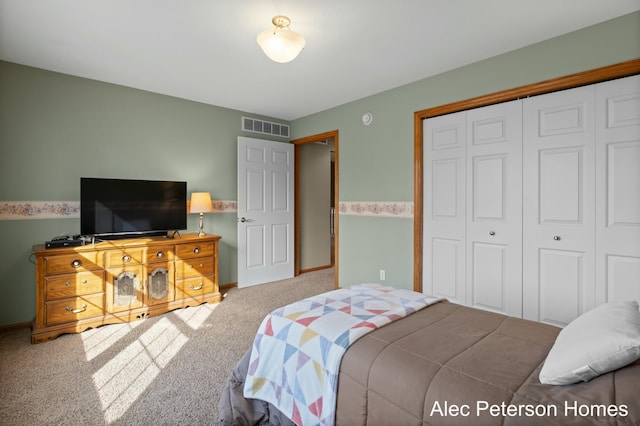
(316, 200)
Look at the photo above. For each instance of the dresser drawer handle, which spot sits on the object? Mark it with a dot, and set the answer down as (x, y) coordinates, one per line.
(126, 258)
(197, 288)
(77, 311)
(196, 250)
(159, 254)
(68, 284)
(76, 263)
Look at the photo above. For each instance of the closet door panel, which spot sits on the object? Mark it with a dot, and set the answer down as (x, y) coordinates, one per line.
(561, 274)
(489, 180)
(489, 276)
(445, 190)
(561, 187)
(621, 280)
(622, 178)
(618, 190)
(445, 267)
(444, 207)
(494, 208)
(558, 205)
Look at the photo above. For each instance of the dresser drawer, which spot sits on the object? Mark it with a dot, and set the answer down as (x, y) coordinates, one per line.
(194, 288)
(194, 268)
(61, 286)
(194, 250)
(75, 308)
(133, 256)
(159, 254)
(75, 262)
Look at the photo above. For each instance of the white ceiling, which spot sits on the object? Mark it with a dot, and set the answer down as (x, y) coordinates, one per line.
(206, 51)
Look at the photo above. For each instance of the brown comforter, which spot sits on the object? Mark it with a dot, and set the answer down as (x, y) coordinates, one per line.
(450, 365)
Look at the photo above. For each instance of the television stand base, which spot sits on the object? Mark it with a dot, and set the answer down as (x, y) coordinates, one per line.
(127, 236)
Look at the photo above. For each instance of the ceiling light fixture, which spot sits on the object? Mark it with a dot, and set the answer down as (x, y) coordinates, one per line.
(281, 44)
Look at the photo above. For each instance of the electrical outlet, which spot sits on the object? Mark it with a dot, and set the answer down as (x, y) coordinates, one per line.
(382, 275)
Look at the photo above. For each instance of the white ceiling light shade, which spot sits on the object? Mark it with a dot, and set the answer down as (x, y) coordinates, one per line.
(281, 44)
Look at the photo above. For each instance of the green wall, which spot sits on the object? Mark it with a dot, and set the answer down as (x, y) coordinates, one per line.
(376, 161)
(56, 128)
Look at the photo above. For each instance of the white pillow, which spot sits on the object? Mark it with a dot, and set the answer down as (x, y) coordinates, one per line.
(601, 340)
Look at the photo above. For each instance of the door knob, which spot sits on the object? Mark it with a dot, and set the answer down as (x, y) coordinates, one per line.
(492, 233)
(557, 238)
(244, 219)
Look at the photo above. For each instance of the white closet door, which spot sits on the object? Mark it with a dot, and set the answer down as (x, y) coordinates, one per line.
(494, 208)
(559, 205)
(618, 190)
(444, 207)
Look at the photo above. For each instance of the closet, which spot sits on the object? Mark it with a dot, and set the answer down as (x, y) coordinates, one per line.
(532, 207)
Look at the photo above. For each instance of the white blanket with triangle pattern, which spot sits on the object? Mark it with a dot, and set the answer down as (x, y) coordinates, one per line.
(296, 354)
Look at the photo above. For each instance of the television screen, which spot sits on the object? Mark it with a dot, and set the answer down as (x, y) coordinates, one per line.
(128, 207)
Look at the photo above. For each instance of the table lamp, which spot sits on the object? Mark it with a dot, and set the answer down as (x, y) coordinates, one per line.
(201, 203)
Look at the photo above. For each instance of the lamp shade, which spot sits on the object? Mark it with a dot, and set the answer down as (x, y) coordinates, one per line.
(200, 202)
(281, 44)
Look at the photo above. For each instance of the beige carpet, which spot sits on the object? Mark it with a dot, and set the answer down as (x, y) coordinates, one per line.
(166, 370)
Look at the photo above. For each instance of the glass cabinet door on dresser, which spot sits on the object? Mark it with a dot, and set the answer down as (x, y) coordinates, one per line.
(124, 288)
(159, 283)
(125, 279)
(159, 275)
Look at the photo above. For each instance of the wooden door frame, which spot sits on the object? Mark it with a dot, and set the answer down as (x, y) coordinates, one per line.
(333, 134)
(623, 69)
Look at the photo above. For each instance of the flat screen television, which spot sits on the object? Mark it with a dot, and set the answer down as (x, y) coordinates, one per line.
(122, 208)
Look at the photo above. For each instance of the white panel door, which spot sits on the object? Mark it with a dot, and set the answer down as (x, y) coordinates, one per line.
(559, 205)
(618, 190)
(444, 207)
(265, 211)
(494, 208)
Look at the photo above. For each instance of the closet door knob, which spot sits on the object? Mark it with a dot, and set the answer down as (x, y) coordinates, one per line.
(492, 233)
(556, 237)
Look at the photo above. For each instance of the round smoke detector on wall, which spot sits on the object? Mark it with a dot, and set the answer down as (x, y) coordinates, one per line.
(367, 118)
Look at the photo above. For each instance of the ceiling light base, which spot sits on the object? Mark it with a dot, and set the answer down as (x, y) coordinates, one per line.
(281, 21)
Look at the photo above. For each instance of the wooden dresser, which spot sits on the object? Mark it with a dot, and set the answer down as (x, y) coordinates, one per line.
(121, 281)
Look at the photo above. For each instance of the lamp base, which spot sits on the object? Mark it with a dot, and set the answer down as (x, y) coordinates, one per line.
(201, 233)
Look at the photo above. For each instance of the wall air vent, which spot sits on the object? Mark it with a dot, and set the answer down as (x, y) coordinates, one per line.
(265, 127)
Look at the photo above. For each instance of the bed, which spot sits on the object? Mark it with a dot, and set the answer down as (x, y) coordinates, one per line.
(451, 364)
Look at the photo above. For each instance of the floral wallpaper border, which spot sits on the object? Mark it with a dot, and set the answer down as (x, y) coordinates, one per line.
(398, 209)
(14, 210)
(18, 210)
(225, 206)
